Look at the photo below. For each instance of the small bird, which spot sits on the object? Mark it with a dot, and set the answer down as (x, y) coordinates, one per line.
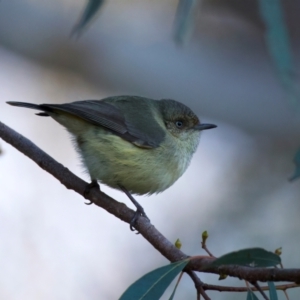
(134, 144)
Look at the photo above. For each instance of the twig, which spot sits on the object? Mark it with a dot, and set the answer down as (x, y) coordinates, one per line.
(198, 284)
(258, 288)
(203, 243)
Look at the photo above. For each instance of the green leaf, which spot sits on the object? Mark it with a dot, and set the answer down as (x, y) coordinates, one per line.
(251, 296)
(279, 45)
(252, 257)
(297, 163)
(184, 20)
(272, 291)
(153, 284)
(90, 11)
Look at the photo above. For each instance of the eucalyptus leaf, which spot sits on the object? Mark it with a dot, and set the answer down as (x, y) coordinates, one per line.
(278, 43)
(272, 291)
(153, 284)
(90, 11)
(184, 20)
(297, 163)
(251, 296)
(252, 257)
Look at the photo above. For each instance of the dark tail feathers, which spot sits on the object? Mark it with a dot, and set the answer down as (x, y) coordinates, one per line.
(30, 105)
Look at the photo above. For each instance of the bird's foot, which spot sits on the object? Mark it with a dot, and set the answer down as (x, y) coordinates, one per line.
(138, 213)
(139, 210)
(93, 184)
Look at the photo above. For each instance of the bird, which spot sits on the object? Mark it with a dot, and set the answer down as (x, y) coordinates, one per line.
(131, 143)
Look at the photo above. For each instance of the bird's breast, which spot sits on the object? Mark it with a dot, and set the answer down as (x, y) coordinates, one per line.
(114, 161)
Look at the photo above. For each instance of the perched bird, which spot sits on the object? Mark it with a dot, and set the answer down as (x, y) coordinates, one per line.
(135, 144)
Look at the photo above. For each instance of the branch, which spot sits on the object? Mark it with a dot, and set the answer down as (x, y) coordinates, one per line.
(198, 284)
(222, 288)
(146, 229)
(71, 181)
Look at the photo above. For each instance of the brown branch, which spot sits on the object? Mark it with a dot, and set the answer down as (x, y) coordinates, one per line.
(198, 284)
(203, 243)
(71, 181)
(252, 274)
(222, 288)
(146, 229)
(258, 288)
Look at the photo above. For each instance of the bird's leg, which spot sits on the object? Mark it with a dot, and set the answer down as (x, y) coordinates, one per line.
(139, 209)
(93, 184)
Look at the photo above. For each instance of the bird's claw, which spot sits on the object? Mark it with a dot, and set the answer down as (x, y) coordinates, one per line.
(91, 185)
(138, 213)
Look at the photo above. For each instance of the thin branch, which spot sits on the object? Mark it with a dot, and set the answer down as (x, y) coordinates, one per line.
(206, 249)
(222, 288)
(198, 284)
(146, 229)
(286, 295)
(258, 288)
(203, 243)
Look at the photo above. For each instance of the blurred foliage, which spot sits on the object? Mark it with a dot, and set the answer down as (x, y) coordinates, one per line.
(89, 13)
(271, 12)
(251, 296)
(297, 163)
(279, 45)
(272, 291)
(184, 20)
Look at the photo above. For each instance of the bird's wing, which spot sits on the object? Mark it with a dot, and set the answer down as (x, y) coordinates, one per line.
(93, 111)
(101, 113)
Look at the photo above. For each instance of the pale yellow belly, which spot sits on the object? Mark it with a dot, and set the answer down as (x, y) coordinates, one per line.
(114, 161)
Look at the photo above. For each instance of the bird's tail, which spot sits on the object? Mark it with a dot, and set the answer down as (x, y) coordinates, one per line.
(32, 106)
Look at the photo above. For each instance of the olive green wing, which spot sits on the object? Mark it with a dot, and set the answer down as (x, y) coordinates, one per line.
(108, 115)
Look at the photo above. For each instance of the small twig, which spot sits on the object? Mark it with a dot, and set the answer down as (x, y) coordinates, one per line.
(248, 285)
(255, 284)
(257, 288)
(198, 284)
(286, 295)
(203, 243)
(208, 252)
(177, 283)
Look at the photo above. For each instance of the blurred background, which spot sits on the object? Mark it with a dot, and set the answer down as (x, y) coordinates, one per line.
(223, 66)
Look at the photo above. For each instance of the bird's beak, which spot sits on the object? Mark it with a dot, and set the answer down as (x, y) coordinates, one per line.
(204, 126)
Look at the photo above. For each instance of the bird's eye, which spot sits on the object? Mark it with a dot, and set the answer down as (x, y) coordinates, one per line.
(179, 124)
